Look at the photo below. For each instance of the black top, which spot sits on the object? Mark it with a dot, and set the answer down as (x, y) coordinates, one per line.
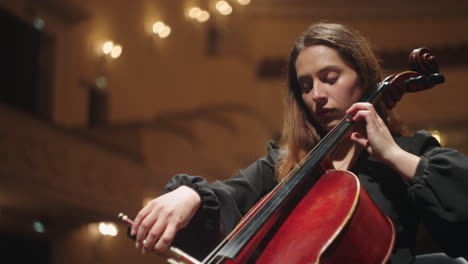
(437, 195)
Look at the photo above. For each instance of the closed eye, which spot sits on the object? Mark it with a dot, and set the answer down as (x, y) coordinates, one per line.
(330, 77)
(305, 83)
(332, 80)
(306, 87)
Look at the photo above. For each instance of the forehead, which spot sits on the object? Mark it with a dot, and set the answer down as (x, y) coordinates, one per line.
(317, 57)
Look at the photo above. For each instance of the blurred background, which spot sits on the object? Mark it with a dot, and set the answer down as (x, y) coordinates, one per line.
(103, 101)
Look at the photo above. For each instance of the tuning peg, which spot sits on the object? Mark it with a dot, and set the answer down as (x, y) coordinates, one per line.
(436, 78)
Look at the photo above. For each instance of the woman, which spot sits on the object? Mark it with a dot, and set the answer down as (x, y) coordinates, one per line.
(409, 178)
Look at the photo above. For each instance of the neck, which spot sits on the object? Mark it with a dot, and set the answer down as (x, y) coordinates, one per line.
(343, 156)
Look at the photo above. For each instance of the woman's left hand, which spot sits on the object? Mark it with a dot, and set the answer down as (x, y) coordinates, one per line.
(379, 141)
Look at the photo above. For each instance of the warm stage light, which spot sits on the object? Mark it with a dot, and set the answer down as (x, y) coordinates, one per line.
(116, 51)
(439, 137)
(199, 14)
(161, 29)
(243, 2)
(101, 82)
(107, 47)
(226, 11)
(223, 7)
(164, 32)
(157, 27)
(194, 12)
(108, 229)
(203, 16)
(221, 4)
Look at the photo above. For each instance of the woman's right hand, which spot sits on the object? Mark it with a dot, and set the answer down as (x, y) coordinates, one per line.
(156, 224)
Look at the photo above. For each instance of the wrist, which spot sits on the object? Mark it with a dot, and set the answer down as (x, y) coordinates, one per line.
(403, 162)
(190, 194)
(393, 155)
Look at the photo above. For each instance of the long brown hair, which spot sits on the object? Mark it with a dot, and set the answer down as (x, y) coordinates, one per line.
(300, 131)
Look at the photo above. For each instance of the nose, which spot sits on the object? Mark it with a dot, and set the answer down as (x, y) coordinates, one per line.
(319, 93)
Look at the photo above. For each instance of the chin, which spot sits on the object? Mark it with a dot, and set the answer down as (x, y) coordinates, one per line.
(328, 127)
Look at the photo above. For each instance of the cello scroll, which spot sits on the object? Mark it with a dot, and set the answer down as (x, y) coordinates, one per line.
(423, 74)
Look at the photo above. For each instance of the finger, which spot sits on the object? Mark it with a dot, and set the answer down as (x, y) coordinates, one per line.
(154, 234)
(166, 239)
(144, 227)
(360, 139)
(361, 114)
(359, 106)
(140, 216)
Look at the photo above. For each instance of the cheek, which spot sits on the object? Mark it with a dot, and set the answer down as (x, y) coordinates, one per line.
(353, 92)
(308, 101)
(358, 92)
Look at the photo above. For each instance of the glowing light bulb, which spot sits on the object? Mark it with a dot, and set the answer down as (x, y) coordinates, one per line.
(164, 32)
(103, 228)
(436, 135)
(158, 26)
(108, 229)
(226, 10)
(194, 12)
(107, 47)
(116, 51)
(203, 16)
(112, 230)
(243, 2)
(221, 4)
(101, 82)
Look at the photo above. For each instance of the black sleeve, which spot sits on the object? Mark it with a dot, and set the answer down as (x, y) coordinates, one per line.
(439, 190)
(223, 203)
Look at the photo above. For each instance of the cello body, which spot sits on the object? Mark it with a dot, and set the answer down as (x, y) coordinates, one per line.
(334, 222)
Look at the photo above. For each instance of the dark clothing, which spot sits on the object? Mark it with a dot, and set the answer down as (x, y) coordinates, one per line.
(437, 195)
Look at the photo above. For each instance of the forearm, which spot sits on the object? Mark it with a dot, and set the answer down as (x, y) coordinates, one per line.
(403, 162)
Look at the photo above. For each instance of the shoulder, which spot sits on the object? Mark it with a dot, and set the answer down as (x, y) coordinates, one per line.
(418, 143)
(273, 152)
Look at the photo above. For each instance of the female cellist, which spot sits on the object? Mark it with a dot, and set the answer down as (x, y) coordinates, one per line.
(410, 178)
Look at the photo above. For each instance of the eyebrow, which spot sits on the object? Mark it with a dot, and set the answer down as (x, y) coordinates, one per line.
(325, 69)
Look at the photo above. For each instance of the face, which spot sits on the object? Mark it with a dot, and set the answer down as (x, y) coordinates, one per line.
(329, 86)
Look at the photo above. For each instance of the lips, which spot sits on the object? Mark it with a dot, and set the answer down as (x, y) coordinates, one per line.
(326, 111)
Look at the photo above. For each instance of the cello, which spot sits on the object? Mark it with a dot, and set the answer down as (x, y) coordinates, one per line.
(326, 219)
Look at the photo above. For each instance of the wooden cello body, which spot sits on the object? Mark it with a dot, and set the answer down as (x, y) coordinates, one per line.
(334, 222)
